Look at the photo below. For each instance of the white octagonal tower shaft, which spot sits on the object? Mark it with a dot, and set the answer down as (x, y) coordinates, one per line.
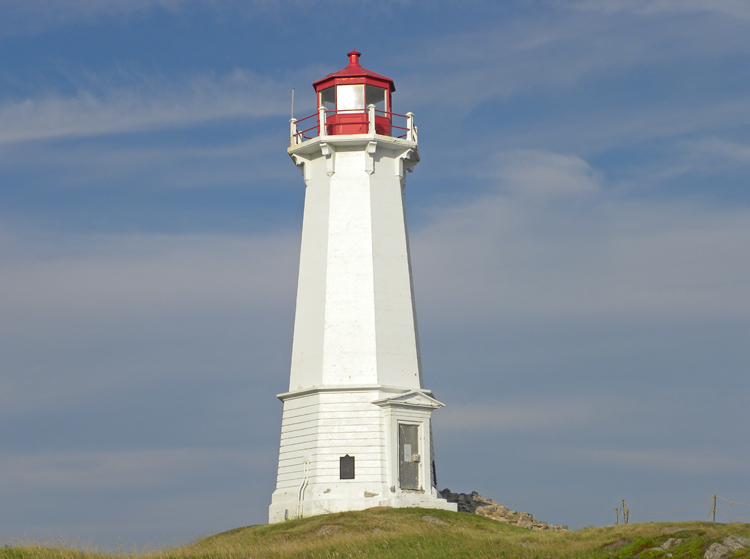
(356, 430)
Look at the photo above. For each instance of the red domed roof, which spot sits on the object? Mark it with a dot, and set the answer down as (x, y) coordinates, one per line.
(352, 72)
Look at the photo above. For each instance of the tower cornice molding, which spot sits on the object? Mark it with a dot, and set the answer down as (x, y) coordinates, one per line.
(398, 391)
(312, 148)
(405, 153)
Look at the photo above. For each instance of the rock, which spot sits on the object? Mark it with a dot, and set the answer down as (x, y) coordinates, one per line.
(670, 543)
(735, 543)
(716, 551)
(464, 501)
(476, 504)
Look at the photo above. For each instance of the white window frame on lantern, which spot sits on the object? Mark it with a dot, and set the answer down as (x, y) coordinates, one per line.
(350, 97)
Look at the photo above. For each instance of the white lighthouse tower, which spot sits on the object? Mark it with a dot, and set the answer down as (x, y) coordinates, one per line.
(356, 430)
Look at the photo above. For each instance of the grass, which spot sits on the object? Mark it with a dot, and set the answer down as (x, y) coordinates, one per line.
(417, 533)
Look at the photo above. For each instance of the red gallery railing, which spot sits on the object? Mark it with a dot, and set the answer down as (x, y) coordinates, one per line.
(336, 123)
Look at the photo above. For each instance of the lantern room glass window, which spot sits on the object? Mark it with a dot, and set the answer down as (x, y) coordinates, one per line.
(328, 99)
(376, 96)
(350, 97)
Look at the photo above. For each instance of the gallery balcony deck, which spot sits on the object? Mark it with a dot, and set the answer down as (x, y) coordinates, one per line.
(352, 122)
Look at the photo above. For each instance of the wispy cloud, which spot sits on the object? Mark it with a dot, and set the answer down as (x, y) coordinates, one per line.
(733, 8)
(91, 7)
(113, 470)
(102, 273)
(102, 164)
(143, 103)
(33, 16)
(573, 47)
(720, 149)
(653, 126)
(677, 461)
(64, 489)
(82, 315)
(23, 16)
(540, 416)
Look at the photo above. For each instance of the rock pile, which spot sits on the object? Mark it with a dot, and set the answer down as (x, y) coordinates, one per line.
(727, 548)
(476, 504)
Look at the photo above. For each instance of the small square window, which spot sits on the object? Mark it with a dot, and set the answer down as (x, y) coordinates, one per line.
(346, 467)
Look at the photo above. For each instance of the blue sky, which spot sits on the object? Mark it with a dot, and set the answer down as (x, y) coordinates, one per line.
(579, 225)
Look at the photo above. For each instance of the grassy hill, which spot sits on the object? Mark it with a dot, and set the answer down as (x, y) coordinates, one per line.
(417, 533)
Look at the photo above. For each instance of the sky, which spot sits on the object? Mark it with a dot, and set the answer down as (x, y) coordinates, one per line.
(579, 227)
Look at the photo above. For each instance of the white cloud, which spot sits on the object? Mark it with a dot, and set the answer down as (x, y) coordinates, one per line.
(602, 256)
(539, 174)
(142, 104)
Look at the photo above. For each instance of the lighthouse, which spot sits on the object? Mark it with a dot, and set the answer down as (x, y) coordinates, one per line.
(356, 428)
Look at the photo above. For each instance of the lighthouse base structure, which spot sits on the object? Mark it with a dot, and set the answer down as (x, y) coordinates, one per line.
(354, 449)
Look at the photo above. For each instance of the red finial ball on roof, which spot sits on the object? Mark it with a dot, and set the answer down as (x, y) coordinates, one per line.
(354, 57)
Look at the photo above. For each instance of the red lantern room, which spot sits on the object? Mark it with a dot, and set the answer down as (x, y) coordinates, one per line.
(346, 96)
(353, 100)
